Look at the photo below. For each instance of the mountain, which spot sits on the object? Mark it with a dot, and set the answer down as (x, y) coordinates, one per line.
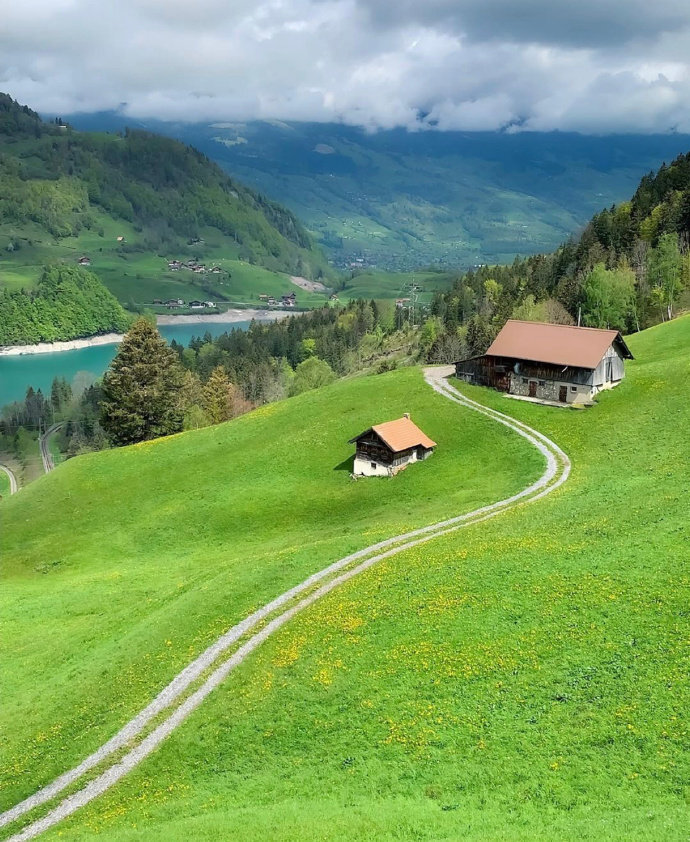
(403, 200)
(131, 202)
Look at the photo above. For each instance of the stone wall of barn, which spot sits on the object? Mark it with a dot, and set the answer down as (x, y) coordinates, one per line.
(549, 390)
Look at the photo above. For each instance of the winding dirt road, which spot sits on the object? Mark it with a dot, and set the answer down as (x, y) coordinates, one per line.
(189, 688)
(43, 443)
(14, 487)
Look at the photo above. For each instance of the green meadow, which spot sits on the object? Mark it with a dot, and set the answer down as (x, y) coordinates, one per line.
(137, 277)
(145, 555)
(525, 678)
(377, 284)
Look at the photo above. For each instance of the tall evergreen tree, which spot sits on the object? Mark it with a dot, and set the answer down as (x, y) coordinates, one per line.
(217, 396)
(141, 388)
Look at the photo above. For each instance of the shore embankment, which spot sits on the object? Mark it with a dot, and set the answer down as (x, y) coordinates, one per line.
(228, 317)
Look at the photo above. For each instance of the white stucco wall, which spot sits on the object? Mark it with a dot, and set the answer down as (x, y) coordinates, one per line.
(370, 468)
(363, 468)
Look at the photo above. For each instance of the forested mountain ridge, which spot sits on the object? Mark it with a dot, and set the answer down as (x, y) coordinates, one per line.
(629, 269)
(404, 199)
(166, 197)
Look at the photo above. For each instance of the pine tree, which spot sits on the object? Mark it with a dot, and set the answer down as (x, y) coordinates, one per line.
(141, 388)
(217, 395)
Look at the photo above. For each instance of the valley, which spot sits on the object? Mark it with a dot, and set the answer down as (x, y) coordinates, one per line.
(219, 623)
(403, 200)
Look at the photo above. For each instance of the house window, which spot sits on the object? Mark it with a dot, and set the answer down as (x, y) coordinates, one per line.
(573, 388)
(373, 465)
(542, 382)
(524, 379)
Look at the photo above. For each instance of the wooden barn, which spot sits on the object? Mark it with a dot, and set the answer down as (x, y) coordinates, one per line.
(555, 363)
(385, 449)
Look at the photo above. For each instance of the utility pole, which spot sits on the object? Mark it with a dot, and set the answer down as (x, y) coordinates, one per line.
(414, 296)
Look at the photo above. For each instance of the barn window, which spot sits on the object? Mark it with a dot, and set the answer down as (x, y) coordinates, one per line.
(542, 382)
(524, 379)
(573, 388)
(373, 465)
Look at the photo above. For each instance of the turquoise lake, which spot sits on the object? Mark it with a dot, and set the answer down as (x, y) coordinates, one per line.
(38, 370)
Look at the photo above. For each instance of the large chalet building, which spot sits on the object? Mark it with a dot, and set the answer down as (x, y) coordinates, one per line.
(385, 449)
(556, 363)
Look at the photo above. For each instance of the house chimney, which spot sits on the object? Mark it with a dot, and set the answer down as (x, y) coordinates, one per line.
(406, 415)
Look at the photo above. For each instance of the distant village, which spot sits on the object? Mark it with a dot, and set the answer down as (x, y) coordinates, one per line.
(192, 266)
(289, 300)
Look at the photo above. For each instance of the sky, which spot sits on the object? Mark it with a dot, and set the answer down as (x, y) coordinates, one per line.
(593, 66)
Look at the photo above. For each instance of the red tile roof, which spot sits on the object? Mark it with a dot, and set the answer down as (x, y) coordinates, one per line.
(400, 434)
(566, 345)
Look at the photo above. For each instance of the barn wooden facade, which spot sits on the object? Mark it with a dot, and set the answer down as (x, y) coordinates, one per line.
(557, 363)
(387, 448)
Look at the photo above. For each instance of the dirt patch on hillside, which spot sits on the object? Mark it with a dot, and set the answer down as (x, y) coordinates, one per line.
(309, 286)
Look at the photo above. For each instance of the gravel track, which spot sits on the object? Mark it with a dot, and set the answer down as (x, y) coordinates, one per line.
(555, 474)
(43, 443)
(14, 487)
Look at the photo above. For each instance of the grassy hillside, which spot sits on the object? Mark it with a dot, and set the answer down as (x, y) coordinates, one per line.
(131, 202)
(379, 284)
(526, 678)
(407, 199)
(145, 555)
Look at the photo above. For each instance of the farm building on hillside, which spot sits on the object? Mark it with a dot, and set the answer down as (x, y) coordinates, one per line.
(558, 363)
(385, 449)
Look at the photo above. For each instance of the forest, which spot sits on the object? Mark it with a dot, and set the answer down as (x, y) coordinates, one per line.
(67, 303)
(629, 269)
(61, 179)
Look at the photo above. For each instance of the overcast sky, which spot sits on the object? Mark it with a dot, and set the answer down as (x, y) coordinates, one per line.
(585, 65)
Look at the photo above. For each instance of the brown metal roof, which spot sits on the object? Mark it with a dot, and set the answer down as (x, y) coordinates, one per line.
(400, 434)
(566, 345)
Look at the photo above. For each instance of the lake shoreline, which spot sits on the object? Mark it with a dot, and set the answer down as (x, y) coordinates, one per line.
(229, 317)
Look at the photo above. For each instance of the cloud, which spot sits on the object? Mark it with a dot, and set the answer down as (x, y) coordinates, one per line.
(594, 66)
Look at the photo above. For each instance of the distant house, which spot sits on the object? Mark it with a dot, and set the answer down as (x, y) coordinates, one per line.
(263, 297)
(174, 302)
(197, 305)
(386, 449)
(84, 261)
(157, 301)
(547, 362)
(174, 265)
(216, 270)
(209, 303)
(401, 302)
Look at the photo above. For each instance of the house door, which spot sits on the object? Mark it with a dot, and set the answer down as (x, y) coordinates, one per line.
(533, 388)
(563, 394)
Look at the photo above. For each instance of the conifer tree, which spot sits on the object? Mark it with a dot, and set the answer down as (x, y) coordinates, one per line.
(141, 388)
(217, 396)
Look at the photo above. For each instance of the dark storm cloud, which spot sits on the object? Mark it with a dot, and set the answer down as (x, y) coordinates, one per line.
(581, 23)
(589, 66)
